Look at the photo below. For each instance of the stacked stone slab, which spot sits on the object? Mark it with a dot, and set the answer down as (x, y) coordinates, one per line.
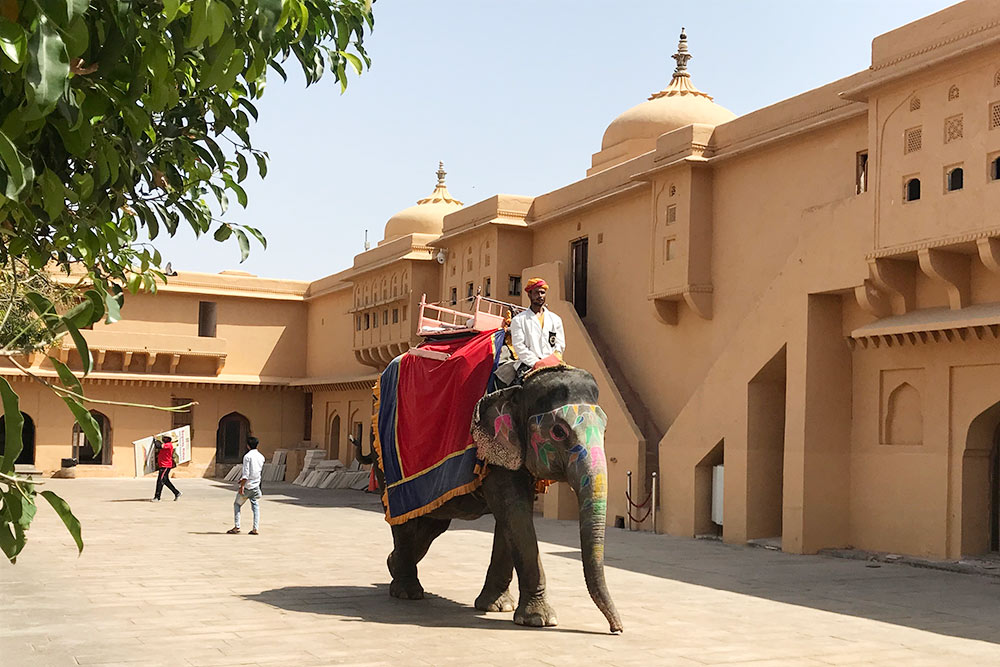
(308, 475)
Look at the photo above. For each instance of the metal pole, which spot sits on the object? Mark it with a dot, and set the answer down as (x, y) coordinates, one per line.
(653, 508)
(628, 502)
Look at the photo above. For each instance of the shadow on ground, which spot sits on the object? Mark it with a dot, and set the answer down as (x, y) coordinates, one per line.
(372, 604)
(284, 492)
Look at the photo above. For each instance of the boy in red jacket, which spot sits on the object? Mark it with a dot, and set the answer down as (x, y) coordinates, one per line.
(164, 463)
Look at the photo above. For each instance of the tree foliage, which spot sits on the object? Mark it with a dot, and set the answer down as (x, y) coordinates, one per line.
(121, 120)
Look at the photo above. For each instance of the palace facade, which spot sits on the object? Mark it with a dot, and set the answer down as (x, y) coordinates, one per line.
(793, 315)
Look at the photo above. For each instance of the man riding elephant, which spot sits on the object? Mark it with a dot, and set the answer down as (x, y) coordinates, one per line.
(537, 333)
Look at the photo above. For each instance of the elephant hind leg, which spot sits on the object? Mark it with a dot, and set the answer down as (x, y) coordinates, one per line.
(411, 540)
(495, 595)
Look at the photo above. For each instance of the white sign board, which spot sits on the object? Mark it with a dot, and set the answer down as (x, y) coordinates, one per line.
(145, 453)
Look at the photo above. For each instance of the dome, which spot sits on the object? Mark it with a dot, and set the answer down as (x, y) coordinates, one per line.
(678, 105)
(427, 216)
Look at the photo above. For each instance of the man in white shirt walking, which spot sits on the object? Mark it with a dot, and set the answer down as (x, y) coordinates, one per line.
(537, 333)
(253, 464)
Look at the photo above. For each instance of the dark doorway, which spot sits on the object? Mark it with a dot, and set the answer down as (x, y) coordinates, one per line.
(83, 449)
(27, 455)
(229, 439)
(578, 258)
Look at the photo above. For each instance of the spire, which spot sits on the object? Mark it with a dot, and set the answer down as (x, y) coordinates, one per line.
(440, 193)
(682, 56)
(681, 84)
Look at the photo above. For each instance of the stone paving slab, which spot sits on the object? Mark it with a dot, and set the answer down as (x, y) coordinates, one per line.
(161, 583)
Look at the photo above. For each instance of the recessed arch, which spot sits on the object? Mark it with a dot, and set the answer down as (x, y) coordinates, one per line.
(83, 449)
(27, 455)
(230, 438)
(904, 417)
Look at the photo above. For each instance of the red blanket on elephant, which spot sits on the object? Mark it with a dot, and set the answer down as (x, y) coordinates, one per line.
(423, 420)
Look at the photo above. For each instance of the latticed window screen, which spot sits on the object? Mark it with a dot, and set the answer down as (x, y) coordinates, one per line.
(995, 115)
(953, 93)
(953, 128)
(914, 103)
(996, 80)
(671, 215)
(912, 140)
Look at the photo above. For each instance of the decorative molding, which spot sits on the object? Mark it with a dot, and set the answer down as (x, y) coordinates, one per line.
(936, 45)
(910, 248)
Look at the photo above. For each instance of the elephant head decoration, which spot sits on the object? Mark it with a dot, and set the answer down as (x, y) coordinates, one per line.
(553, 427)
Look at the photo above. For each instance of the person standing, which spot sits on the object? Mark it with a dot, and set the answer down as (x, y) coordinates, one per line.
(253, 465)
(537, 334)
(164, 464)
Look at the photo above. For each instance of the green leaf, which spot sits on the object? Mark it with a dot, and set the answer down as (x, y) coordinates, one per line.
(53, 194)
(81, 345)
(200, 24)
(11, 159)
(81, 315)
(48, 68)
(218, 17)
(353, 59)
(223, 233)
(13, 42)
(8, 543)
(170, 8)
(257, 235)
(261, 163)
(268, 12)
(62, 509)
(44, 309)
(244, 245)
(77, 8)
(91, 429)
(13, 422)
(113, 302)
(66, 376)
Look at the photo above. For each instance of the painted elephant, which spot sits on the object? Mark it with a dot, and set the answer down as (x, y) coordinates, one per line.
(549, 428)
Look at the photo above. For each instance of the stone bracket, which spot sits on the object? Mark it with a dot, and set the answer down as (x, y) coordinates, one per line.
(150, 360)
(898, 279)
(872, 300)
(989, 253)
(951, 269)
(175, 359)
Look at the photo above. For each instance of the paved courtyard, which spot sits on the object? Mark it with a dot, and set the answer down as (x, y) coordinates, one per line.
(160, 583)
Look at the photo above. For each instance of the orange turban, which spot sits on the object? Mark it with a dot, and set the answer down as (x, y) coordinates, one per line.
(536, 283)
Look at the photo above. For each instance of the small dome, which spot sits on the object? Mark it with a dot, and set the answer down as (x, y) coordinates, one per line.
(427, 216)
(678, 105)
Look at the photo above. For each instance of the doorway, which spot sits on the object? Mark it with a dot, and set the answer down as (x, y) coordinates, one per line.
(230, 437)
(27, 455)
(333, 438)
(83, 450)
(578, 262)
(994, 467)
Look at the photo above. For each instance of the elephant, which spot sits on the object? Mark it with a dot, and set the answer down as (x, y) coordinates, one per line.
(548, 428)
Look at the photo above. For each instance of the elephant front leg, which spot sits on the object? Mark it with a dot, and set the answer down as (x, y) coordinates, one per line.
(495, 595)
(511, 496)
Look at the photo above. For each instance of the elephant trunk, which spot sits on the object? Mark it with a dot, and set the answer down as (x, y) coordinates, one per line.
(591, 489)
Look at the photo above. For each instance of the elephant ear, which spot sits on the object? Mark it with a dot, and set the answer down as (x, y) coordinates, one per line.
(494, 429)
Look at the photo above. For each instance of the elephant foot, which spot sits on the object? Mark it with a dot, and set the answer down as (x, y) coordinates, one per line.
(492, 602)
(535, 613)
(404, 589)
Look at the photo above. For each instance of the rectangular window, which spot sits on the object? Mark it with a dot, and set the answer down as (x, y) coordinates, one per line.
(671, 214)
(468, 290)
(395, 315)
(578, 263)
(514, 285)
(357, 322)
(385, 316)
(995, 115)
(180, 419)
(454, 295)
(368, 319)
(375, 320)
(404, 313)
(207, 319)
(861, 172)
(488, 286)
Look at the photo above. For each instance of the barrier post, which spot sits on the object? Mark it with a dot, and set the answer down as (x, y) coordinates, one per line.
(655, 497)
(628, 514)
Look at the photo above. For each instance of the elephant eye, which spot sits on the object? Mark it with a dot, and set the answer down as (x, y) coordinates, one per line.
(559, 432)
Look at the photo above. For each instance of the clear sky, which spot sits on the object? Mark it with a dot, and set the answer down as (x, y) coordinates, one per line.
(514, 97)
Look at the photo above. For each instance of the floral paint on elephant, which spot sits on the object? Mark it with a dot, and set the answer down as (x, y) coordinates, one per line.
(549, 431)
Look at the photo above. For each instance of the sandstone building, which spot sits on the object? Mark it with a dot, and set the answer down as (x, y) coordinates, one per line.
(807, 295)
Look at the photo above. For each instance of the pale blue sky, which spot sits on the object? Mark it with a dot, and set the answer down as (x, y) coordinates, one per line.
(514, 97)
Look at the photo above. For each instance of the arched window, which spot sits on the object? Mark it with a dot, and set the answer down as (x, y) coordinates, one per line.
(231, 438)
(911, 191)
(27, 455)
(83, 451)
(953, 93)
(954, 179)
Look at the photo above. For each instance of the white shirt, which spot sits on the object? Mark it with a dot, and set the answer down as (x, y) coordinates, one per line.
(253, 464)
(534, 340)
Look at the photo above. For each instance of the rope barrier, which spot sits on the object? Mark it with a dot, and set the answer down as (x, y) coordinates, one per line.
(643, 516)
(628, 496)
